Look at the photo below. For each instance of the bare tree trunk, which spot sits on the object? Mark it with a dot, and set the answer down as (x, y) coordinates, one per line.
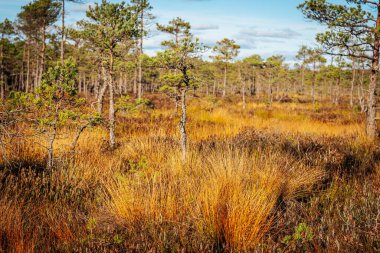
(182, 125)
(372, 99)
(22, 79)
(362, 102)
(97, 82)
(50, 154)
(2, 79)
(76, 139)
(63, 33)
(112, 108)
(80, 83)
(361, 97)
(302, 79)
(336, 91)
(27, 89)
(85, 85)
(254, 85)
(243, 83)
(258, 86)
(135, 74)
(102, 90)
(50, 147)
(313, 84)
(36, 71)
(43, 49)
(139, 95)
(214, 88)
(270, 93)
(225, 80)
(352, 83)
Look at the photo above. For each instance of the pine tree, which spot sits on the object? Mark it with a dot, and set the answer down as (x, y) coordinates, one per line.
(180, 55)
(109, 26)
(353, 31)
(142, 9)
(63, 27)
(6, 29)
(226, 50)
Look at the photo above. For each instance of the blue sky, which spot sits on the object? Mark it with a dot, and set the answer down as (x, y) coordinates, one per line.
(264, 27)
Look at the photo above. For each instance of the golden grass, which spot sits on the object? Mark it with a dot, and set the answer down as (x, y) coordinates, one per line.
(228, 196)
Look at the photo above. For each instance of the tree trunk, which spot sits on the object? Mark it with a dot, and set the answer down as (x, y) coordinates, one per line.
(214, 88)
(225, 80)
(352, 83)
(97, 82)
(36, 70)
(270, 93)
(302, 79)
(76, 139)
(182, 125)
(63, 33)
(135, 74)
(242, 88)
(361, 97)
(2, 79)
(112, 108)
(50, 147)
(139, 95)
(50, 154)
(80, 83)
(371, 118)
(254, 88)
(27, 88)
(102, 90)
(43, 49)
(84, 85)
(336, 91)
(22, 79)
(313, 84)
(258, 86)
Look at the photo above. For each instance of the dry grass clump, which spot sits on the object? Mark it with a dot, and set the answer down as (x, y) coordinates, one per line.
(225, 198)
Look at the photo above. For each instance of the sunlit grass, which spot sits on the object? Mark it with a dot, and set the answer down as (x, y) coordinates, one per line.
(242, 167)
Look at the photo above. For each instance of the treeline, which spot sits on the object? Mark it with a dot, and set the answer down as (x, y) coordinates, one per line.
(33, 42)
(107, 48)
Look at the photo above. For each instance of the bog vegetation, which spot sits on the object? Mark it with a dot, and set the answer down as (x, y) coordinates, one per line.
(106, 149)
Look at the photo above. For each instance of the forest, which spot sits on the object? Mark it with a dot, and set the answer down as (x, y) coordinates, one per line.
(105, 148)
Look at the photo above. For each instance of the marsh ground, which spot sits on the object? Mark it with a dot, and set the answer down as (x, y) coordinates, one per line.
(294, 177)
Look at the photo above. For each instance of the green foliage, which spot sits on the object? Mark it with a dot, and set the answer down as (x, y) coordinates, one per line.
(180, 57)
(109, 24)
(57, 105)
(254, 61)
(6, 28)
(118, 239)
(350, 26)
(58, 80)
(178, 28)
(138, 165)
(56, 97)
(302, 234)
(144, 103)
(275, 61)
(124, 103)
(38, 14)
(226, 50)
(19, 100)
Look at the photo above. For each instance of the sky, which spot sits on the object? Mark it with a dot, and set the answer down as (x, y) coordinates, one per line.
(264, 27)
